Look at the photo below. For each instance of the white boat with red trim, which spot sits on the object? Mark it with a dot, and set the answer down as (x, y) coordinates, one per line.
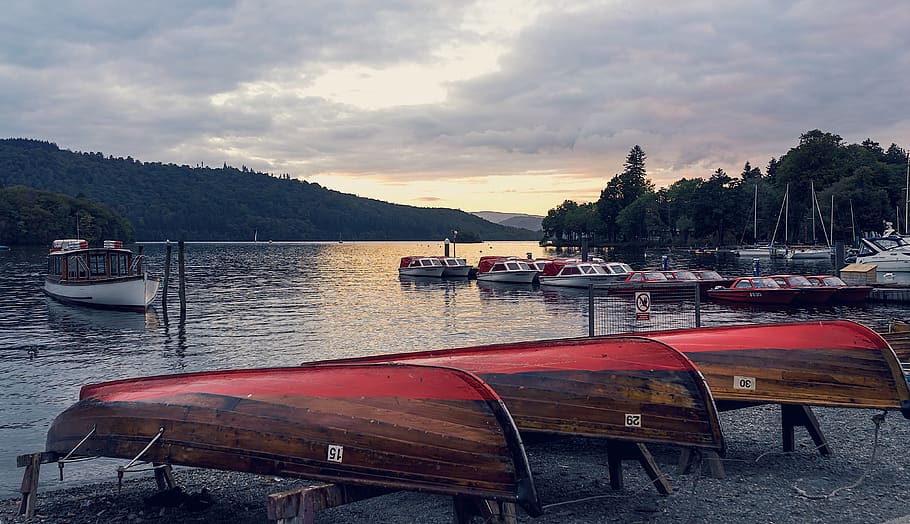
(106, 277)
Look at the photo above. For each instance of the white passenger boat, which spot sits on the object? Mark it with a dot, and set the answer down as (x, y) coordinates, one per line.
(577, 273)
(417, 266)
(107, 277)
(455, 267)
(506, 269)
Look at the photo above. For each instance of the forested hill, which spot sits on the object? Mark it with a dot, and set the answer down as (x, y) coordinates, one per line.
(167, 201)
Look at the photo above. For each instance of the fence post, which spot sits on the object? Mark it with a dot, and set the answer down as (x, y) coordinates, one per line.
(697, 305)
(590, 309)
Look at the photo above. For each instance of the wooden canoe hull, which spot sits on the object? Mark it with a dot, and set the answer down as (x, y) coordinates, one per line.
(417, 428)
(627, 388)
(825, 363)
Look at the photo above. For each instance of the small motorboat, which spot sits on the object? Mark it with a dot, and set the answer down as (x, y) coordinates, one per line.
(754, 290)
(418, 266)
(506, 269)
(110, 276)
(575, 273)
(402, 427)
(846, 294)
(455, 267)
(808, 293)
(715, 278)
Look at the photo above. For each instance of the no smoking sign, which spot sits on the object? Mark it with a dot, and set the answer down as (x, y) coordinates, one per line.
(642, 305)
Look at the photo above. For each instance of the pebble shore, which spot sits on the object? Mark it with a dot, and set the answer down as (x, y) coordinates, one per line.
(762, 484)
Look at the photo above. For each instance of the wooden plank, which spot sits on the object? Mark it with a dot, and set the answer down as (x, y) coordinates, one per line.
(792, 416)
(303, 503)
(491, 511)
(45, 457)
(29, 487)
(618, 451)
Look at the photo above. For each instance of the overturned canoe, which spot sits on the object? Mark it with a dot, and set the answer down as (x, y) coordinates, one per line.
(417, 428)
(628, 388)
(823, 363)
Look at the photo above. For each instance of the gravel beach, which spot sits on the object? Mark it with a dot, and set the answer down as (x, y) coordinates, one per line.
(762, 484)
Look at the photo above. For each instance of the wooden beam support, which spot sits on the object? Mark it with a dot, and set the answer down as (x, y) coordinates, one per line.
(164, 476)
(715, 464)
(491, 511)
(299, 506)
(798, 415)
(617, 451)
(29, 487)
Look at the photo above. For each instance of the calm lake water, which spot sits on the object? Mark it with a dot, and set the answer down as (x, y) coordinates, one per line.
(257, 305)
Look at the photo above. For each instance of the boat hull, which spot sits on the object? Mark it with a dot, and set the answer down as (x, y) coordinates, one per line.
(432, 272)
(128, 293)
(515, 277)
(400, 427)
(588, 387)
(826, 363)
(579, 281)
(754, 296)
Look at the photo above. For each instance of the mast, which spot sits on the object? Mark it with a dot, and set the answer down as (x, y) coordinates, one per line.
(907, 200)
(755, 216)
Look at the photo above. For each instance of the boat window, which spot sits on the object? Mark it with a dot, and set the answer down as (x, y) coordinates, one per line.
(743, 284)
(685, 275)
(799, 281)
(499, 266)
(524, 266)
(636, 277)
(119, 264)
(655, 275)
(834, 281)
(98, 264)
(764, 283)
(75, 267)
(570, 270)
(54, 266)
(710, 275)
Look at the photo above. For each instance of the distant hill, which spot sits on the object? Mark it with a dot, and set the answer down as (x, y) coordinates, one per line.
(179, 202)
(529, 222)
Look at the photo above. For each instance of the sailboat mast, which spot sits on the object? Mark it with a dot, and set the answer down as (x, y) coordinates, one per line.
(907, 199)
(755, 216)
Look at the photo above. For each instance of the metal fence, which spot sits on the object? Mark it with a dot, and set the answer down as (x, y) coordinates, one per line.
(643, 307)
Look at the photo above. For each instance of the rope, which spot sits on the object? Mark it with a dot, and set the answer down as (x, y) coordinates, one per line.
(877, 419)
(641, 488)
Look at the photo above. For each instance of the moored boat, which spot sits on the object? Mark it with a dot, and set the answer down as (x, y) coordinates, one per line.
(754, 290)
(455, 267)
(808, 293)
(846, 294)
(418, 266)
(622, 388)
(506, 269)
(575, 273)
(110, 276)
(418, 428)
(835, 363)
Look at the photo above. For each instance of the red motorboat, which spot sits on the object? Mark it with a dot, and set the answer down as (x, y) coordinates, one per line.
(754, 290)
(846, 294)
(808, 293)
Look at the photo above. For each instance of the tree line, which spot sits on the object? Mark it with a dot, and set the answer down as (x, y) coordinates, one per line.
(859, 185)
(179, 202)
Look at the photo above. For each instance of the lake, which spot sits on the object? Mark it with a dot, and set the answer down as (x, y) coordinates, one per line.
(280, 304)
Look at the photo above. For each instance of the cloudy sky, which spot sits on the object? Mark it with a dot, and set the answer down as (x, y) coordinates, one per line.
(504, 105)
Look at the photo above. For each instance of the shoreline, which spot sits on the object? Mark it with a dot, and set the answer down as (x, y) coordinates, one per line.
(762, 483)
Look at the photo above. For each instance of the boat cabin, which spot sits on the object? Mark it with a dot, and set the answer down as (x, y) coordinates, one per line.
(72, 260)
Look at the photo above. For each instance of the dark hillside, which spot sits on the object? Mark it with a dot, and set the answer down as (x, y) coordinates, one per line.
(201, 203)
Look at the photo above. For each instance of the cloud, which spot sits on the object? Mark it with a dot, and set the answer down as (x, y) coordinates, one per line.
(403, 97)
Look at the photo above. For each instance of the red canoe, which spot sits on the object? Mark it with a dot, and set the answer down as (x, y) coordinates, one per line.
(823, 363)
(417, 428)
(626, 388)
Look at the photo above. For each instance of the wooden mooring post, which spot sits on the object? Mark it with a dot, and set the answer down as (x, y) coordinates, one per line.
(167, 279)
(181, 281)
(32, 464)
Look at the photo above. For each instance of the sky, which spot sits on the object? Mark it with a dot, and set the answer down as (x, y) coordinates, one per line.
(506, 105)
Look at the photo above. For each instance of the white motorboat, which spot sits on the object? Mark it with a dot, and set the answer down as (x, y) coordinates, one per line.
(888, 254)
(418, 266)
(506, 269)
(455, 267)
(576, 273)
(809, 253)
(107, 277)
